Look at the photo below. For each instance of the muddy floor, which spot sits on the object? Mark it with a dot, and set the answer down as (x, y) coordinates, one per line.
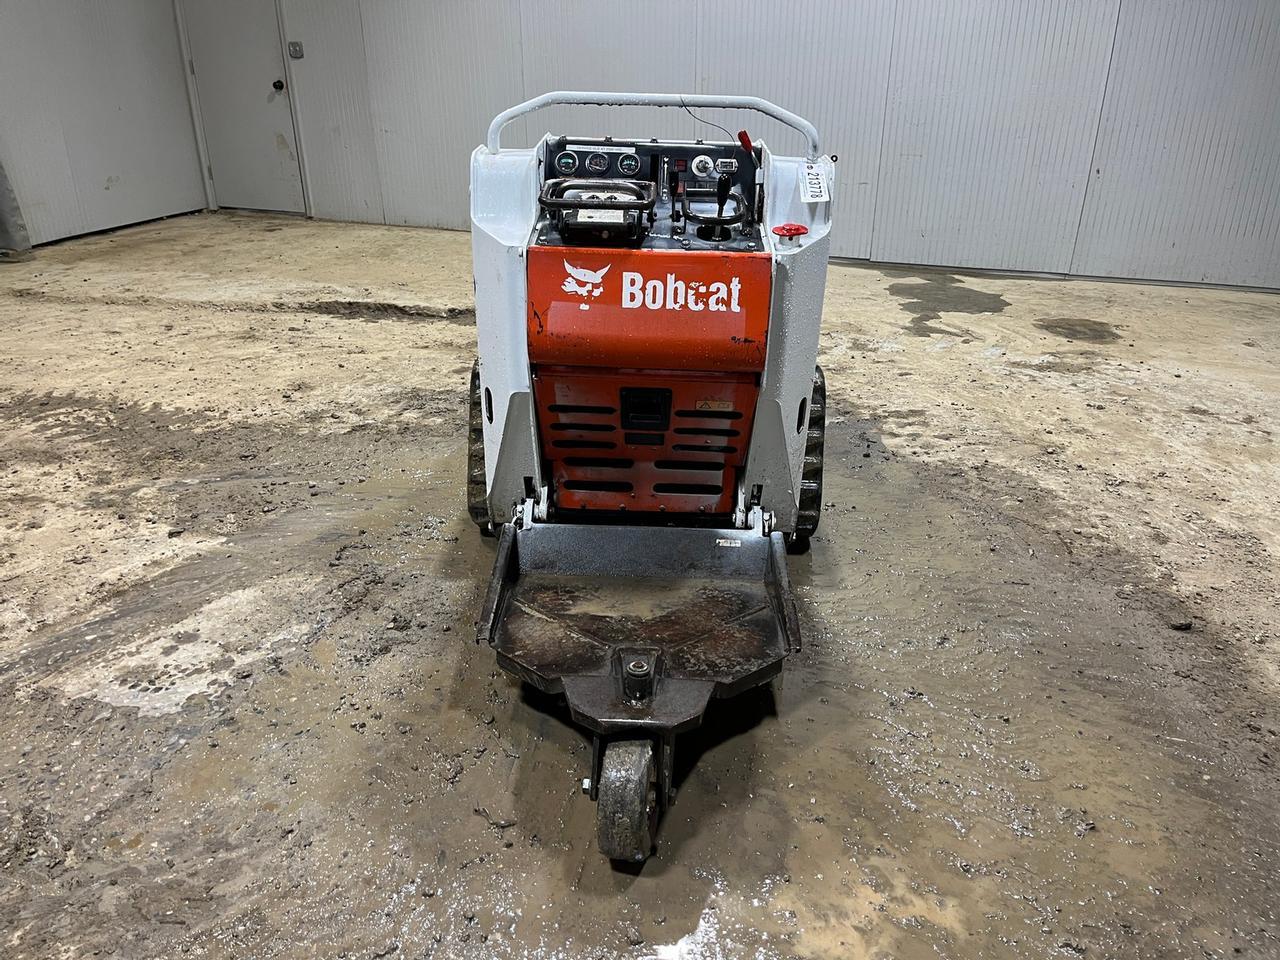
(1034, 716)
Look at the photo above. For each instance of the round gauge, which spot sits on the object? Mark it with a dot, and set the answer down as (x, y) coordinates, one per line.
(566, 162)
(597, 163)
(628, 164)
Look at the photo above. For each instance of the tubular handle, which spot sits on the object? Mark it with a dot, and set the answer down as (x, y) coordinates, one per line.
(590, 98)
(643, 195)
(716, 220)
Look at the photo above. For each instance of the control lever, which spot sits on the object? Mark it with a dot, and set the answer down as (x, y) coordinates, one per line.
(723, 185)
(673, 186)
(722, 193)
(744, 139)
(655, 174)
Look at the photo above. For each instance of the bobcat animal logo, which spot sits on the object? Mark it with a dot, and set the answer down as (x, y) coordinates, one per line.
(585, 283)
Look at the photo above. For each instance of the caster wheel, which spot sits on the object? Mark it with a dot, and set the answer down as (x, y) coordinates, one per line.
(627, 805)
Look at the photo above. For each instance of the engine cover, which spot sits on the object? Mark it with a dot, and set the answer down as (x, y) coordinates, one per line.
(659, 309)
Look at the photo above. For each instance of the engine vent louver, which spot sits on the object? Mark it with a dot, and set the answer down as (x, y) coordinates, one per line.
(706, 431)
(644, 441)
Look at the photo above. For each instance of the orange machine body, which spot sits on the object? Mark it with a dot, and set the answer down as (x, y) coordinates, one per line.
(646, 369)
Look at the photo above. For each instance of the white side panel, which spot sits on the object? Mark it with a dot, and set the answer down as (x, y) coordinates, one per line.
(776, 459)
(1186, 176)
(504, 207)
(248, 124)
(330, 88)
(588, 45)
(438, 73)
(828, 62)
(992, 112)
(95, 128)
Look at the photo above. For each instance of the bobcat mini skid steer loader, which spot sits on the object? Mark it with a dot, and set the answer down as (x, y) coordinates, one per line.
(646, 425)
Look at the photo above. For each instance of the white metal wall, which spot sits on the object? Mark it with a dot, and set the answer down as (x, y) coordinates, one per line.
(991, 111)
(828, 62)
(334, 120)
(1108, 137)
(1185, 180)
(407, 78)
(438, 72)
(95, 126)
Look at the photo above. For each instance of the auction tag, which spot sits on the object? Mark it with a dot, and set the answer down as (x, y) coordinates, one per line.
(813, 183)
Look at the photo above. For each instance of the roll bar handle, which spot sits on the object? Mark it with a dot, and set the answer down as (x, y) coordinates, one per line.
(596, 99)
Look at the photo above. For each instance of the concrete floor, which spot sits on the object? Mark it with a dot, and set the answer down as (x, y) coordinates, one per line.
(1035, 714)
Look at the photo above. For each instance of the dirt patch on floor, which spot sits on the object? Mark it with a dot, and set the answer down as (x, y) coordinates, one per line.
(1079, 328)
(376, 310)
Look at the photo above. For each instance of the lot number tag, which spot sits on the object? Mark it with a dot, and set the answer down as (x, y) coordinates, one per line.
(813, 183)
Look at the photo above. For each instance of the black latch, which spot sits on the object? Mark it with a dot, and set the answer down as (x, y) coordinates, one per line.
(645, 408)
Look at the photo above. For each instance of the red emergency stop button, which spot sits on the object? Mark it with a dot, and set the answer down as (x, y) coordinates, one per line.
(790, 230)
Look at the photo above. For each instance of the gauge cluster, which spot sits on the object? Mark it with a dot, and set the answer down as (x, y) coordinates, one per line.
(684, 178)
(593, 162)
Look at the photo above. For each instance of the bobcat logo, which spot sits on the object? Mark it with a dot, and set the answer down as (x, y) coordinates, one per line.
(585, 283)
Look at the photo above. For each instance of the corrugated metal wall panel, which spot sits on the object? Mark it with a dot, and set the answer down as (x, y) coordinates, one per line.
(992, 112)
(438, 72)
(588, 45)
(827, 62)
(95, 127)
(965, 130)
(37, 160)
(333, 118)
(1186, 175)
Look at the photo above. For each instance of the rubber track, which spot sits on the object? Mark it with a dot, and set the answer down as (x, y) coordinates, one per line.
(811, 477)
(477, 502)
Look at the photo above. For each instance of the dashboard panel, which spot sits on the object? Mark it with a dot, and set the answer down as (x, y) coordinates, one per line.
(650, 160)
(693, 165)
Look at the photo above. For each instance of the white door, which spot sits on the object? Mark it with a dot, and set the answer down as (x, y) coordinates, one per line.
(244, 103)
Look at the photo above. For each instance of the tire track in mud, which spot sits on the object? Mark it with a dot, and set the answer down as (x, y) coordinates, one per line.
(351, 308)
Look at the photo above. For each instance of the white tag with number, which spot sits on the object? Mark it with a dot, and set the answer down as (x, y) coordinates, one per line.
(813, 182)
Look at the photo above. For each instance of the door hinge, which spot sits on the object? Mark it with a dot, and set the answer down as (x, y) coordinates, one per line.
(209, 169)
(191, 66)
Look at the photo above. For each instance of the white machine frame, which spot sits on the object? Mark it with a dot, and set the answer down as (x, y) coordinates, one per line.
(504, 213)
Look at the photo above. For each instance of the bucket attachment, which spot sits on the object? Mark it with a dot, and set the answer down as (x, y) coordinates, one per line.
(639, 626)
